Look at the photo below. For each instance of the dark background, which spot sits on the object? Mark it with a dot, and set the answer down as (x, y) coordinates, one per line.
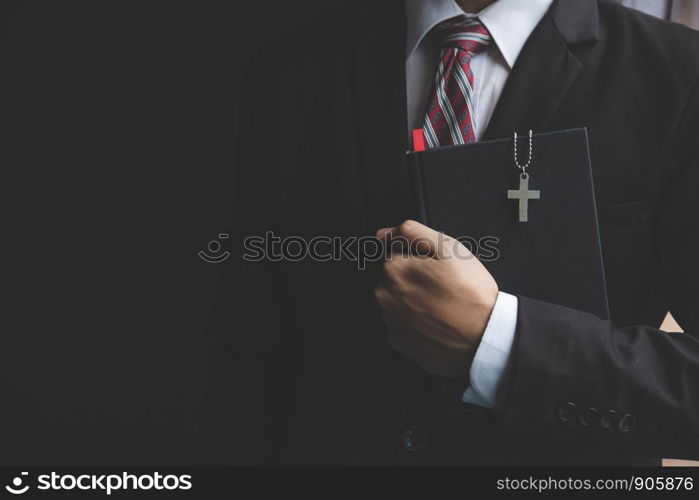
(116, 120)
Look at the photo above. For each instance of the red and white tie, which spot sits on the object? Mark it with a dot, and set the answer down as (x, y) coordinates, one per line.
(450, 111)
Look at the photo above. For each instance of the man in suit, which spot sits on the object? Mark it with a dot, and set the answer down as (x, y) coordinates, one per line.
(304, 372)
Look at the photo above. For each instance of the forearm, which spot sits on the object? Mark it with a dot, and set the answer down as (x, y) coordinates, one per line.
(582, 380)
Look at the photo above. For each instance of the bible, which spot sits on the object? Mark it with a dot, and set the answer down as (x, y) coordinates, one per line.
(534, 228)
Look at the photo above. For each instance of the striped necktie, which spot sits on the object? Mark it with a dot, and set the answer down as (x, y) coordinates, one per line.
(450, 110)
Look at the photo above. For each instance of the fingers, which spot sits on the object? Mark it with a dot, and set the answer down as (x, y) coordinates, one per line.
(417, 239)
(395, 242)
(386, 232)
(424, 239)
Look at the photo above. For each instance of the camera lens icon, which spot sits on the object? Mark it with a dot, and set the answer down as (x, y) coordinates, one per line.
(16, 487)
(213, 253)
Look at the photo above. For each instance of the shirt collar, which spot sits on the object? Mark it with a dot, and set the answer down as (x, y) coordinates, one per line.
(510, 22)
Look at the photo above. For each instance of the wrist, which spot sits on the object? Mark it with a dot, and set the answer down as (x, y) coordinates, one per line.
(479, 316)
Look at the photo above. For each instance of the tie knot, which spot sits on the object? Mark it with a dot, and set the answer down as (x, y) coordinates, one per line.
(465, 33)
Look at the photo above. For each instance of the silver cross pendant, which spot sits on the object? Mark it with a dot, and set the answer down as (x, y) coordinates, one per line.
(523, 194)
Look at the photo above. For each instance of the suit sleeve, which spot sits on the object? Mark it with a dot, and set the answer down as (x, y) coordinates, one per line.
(581, 382)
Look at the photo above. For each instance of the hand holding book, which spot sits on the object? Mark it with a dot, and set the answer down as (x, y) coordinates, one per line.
(436, 297)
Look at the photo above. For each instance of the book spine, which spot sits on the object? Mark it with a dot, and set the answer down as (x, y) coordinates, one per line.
(420, 210)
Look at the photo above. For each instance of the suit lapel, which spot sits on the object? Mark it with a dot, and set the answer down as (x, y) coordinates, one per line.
(545, 69)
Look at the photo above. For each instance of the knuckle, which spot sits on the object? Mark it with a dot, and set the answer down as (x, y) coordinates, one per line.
(406, 226)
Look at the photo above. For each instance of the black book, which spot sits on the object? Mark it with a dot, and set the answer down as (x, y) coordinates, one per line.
(471, 192)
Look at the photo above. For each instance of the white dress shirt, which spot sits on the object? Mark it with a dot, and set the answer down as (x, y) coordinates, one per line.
(510, 23)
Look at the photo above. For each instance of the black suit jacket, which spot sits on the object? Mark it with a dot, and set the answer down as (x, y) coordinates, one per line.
(302, 371)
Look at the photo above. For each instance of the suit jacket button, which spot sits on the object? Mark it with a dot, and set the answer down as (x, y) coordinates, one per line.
(567, 412)
(415, 439)
(589, 416)
(627, 423)
(609, 420)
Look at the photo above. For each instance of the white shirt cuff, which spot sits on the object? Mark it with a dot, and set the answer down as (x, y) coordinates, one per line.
(493, 353)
